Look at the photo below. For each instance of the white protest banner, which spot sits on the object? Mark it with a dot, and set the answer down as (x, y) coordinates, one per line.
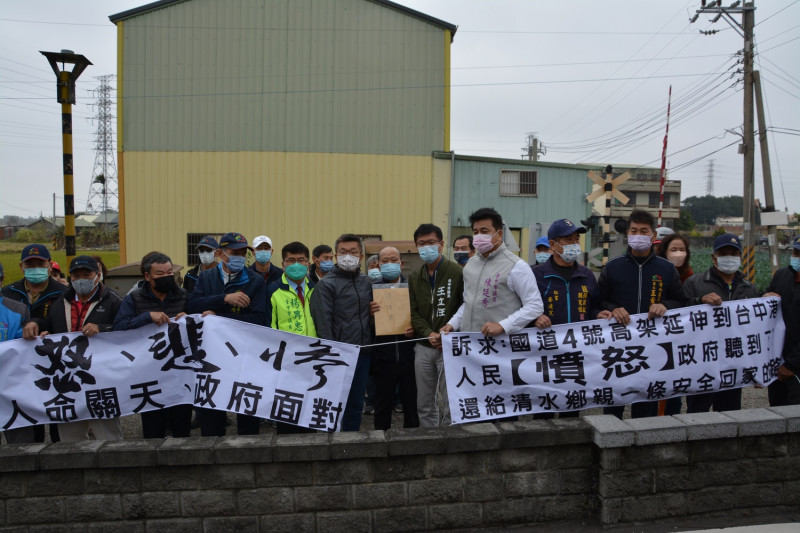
(602, 363)
(211, 362)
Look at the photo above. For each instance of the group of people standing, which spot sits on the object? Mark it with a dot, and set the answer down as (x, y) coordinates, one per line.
(484, 288)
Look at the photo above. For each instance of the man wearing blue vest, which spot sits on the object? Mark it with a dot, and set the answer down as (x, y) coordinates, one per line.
(232, 291)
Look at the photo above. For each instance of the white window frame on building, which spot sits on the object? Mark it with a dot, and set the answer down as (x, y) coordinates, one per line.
(519, 183)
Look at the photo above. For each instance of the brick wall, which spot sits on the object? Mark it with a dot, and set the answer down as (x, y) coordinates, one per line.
(588, 472)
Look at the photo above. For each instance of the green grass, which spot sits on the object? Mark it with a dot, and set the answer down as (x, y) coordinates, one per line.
(10, 254)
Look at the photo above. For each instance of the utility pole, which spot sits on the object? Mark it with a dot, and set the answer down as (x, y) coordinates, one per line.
(533, 149)
(769, 216)
(745, 29)
(748, 201)
(65, 95)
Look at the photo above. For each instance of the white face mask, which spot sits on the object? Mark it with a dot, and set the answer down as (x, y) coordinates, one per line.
(206, 257)
(676, 258)
(728, 264)
(348, 263)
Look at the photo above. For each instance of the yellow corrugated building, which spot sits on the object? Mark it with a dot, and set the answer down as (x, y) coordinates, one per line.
(297, 119)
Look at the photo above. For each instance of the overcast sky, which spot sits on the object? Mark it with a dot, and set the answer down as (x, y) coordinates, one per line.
(589, 78)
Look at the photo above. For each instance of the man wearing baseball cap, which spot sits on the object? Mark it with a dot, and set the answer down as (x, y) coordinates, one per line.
(786, 284)
(721, 283)
(262, 248)
(37, 290)
(86, 306)
(206, 251)
(568, 289)
(232, 291)
(543, 250)
(56, 274)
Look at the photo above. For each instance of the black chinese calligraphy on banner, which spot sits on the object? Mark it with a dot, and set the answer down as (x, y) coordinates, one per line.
(210, 362)
(601, 363)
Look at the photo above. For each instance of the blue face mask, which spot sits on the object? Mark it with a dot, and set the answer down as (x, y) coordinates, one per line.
(326, 266)
(461, 257)
(375, 275)
(390, 271)
(263, 256)
(794, 262)
(36, 275)
(429, 254)
(541, 257)
(235, 263)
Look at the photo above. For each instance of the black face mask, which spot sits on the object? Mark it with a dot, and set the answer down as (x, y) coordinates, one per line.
(165, 284)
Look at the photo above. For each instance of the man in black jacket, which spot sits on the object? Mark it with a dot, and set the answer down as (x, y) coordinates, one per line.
(638, 282)
(157, 301)
(37, 291)
(86, 306)
(393, 363)
(722, 282)
(786, 284)
(206, 249)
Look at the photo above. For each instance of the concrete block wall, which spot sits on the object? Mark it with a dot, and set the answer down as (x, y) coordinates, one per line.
(401, 480)
(593, 472)
(701, 466)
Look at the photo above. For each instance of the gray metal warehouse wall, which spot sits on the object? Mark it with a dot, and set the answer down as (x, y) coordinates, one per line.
(592, 472)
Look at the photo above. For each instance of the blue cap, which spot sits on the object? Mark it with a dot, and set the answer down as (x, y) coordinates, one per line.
(35, 251)
(563, 227)
(796, 243)
(209, 242)
(542, 241)
(234, 241)
(83, 261)
(727, 239)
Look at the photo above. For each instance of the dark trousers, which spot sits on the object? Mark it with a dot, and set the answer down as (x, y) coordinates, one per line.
(38, 432)
(786, 392)
(177, 418)
(389, 375)
(351, 419)
(674, 406)
(728, 400)
(212, 423)
(638, 410)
